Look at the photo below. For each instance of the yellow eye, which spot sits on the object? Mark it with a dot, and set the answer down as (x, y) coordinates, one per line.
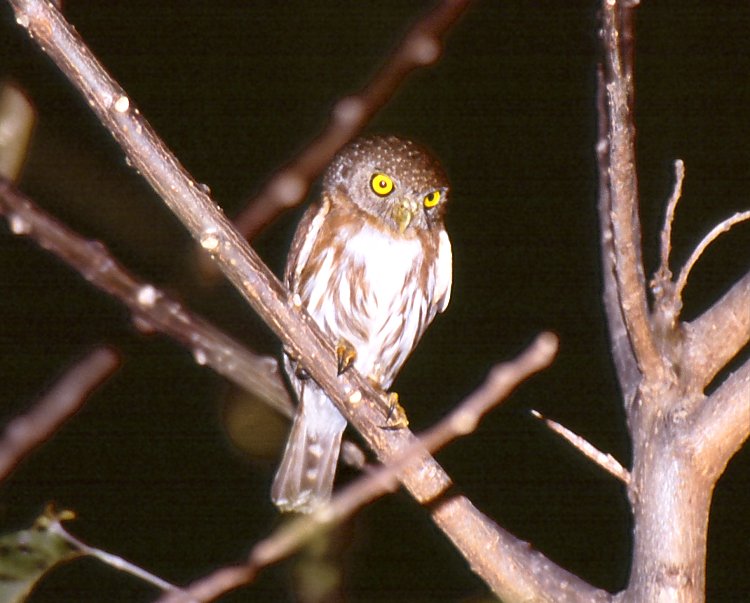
(381, 184)
(432, 199)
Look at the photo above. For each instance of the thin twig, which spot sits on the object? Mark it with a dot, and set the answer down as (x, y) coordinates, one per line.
(421, 46)
(605, 460)
(66, 397)
(54, 525)
(666, 231)
(667, 303)
(716, 231)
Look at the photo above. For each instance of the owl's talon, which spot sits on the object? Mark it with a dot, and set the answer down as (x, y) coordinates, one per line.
(345, 355)
(396, 417)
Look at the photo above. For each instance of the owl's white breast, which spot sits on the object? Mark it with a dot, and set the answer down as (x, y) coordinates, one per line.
(387, 261)
(384, 317)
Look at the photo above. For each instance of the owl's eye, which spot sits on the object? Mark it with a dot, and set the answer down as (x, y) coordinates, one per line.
(381, 184)
(432, 199)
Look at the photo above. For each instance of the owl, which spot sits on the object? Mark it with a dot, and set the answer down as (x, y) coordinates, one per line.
(371, 262)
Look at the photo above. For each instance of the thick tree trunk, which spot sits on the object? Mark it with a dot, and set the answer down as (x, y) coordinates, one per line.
(671, 501)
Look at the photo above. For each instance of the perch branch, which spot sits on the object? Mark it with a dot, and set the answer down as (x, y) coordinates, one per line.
(421, 46)
(715, 337)
(463, 420)
(481, 541)
(606, 461)
(152, 309)
(66, 397)
(626, 367)
(623, 187)
(292, 535)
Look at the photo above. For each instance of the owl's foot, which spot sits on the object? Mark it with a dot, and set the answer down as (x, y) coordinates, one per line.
(345, 355)
(396, 417)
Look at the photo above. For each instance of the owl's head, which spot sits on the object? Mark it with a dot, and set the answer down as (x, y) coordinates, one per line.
(391, 178)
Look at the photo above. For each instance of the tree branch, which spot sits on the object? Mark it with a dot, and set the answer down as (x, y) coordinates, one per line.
(421, 46)
(152, 308)
(626, 367)
(606, 461)
(623, 187)
(722, 423)
(52, 521)
(717, 335)
(716, 232)
(471, 531)
(666, 231)
(65, 399)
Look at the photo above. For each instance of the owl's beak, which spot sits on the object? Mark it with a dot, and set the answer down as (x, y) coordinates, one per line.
(403, 214)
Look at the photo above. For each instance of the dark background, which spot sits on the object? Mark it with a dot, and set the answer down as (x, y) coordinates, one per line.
(235, 88)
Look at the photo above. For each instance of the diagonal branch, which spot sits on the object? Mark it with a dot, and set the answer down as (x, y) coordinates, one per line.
(420, 47)
(606, 461)
(153, 310)
(66, 398)
(623, 186)
(722, 424)
(716, 231)
(717, 335)
(479, 539)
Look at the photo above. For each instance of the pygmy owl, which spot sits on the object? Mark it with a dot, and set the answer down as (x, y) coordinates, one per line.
(371, 262)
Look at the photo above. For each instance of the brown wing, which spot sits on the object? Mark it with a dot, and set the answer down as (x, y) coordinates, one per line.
(303, 241)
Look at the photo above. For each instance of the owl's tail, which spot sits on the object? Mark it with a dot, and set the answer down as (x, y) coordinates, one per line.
(304, 479)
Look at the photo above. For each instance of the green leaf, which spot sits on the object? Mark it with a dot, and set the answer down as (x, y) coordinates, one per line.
(27, 555)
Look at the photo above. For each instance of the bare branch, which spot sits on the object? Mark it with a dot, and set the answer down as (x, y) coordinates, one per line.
(716, 231)
(420, 47)
(297, 331)
(722, 423)
(628, 374)
(152, 309)
(66, 397)
(606, 461)
(715, 337)
(623, 187)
